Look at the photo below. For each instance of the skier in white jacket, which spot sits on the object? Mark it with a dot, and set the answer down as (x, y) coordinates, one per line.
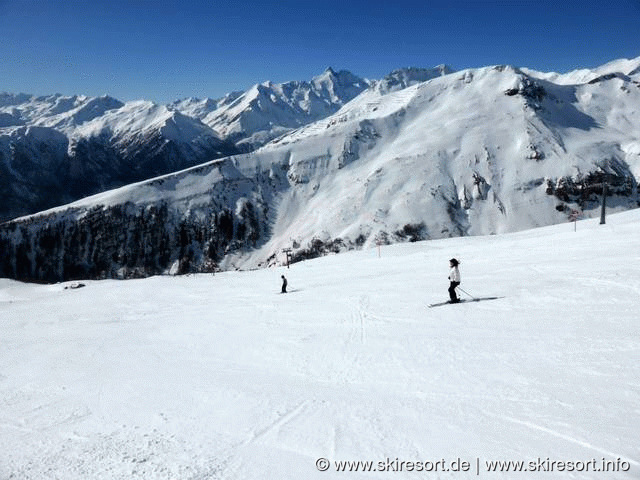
(454, 279)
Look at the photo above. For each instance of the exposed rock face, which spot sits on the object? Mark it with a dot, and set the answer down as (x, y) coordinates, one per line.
(586, 189)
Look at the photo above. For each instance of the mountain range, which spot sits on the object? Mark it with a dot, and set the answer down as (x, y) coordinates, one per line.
(303, 169)
(56, 149)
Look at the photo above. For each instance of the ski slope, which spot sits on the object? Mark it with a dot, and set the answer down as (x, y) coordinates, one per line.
(220, 377)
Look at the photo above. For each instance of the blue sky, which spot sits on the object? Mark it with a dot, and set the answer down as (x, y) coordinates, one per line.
(163, 50)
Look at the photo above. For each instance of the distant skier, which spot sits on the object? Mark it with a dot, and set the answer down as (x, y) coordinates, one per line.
(284, 284)
(454, 278)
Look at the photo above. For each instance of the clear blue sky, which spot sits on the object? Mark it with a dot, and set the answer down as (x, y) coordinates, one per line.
(162, 50)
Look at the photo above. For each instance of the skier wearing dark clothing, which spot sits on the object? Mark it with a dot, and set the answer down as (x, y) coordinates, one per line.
(284, 284)
(454, 279)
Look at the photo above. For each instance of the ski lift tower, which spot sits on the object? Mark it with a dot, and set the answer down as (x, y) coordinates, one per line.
(603, 206)
(287, 252)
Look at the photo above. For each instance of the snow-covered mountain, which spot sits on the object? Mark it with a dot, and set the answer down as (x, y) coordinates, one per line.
(268, 110)
(55, 111)
(475, 152)
(57, 149)
(407, 77)
(624, 67)
(109, 144)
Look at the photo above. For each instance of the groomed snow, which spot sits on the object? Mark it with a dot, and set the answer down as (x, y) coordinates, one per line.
(220, 377)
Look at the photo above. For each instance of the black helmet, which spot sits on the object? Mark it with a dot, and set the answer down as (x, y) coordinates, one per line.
(454, 262)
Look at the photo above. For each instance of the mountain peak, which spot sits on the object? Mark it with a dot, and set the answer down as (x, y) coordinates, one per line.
(405, 77)
(341, 78)
(10, 99)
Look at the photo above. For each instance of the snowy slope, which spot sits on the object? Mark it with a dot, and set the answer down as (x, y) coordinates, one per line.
(218, 377)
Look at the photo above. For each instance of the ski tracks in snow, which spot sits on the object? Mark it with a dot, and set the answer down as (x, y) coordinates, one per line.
(31, 411)
(355, 340)
(277, 424)
(359, 317)
(567, 438)
(281, 431)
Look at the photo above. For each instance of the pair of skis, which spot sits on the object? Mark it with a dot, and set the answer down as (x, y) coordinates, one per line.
(466, 300)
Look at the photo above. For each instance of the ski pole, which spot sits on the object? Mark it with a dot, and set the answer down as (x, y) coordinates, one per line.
(466, 292)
